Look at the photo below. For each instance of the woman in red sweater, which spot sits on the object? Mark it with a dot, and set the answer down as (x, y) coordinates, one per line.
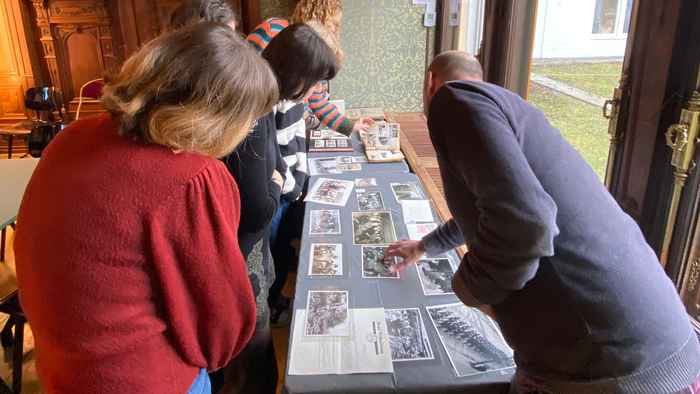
(127, 256)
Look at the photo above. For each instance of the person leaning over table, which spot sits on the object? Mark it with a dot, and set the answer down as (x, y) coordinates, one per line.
(328, 13)
(128, 262)
(575, 288)
(300, 57)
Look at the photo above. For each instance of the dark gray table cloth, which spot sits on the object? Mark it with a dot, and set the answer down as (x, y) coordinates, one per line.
(428, 376)
(14, 176)
(367, 168)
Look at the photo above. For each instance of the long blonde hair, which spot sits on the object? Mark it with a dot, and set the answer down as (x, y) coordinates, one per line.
(196, 89)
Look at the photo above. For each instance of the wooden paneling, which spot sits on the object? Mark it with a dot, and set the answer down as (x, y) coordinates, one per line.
(16, 71)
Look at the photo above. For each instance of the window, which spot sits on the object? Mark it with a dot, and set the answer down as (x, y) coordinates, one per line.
(612, 17)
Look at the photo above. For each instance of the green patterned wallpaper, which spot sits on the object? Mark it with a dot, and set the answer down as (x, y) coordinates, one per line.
(385, 46)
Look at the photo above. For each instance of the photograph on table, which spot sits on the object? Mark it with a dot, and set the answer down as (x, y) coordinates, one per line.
(347, 167)
(324, 222)
(365, 182)
(373, 228)
(370, 201)
(406, 191)
(323, 134)
(330, 191)
(344, 159)
(326, 260)
(384, 156)
(323, 166)
(359, 159)
(327, 313)
(407, 336)
(416, 231)
(435, 276)
(375, 266)
(472, 340)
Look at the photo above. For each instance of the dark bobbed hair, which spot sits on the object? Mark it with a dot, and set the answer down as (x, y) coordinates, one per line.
(300, 58)
(194, 11)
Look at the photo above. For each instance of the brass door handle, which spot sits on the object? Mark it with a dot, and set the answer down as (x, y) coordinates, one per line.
(608, 108)
(677, 140)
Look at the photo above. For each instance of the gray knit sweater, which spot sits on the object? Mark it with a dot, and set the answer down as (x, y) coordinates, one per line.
(576, 289)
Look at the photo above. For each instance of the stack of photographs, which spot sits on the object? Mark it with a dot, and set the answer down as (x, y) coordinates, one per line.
(472, 340)
(406, 191)
(326, 260)
(373, 228)
(330, 191)
(435, 276)
(327, 313)
(324, 222)
(369, 201)
(407, 336)
(374, 264)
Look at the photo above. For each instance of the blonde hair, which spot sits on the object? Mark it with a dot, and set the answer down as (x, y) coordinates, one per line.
(324, 11)
(196, 89)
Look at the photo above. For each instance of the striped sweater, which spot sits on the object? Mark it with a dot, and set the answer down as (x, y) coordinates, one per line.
(291, 137)
(318, 102)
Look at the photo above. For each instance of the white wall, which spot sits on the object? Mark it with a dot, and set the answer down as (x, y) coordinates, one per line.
(564, 31)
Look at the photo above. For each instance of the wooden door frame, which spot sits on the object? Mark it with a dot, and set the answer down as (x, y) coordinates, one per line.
(508, 43)
(652, 95)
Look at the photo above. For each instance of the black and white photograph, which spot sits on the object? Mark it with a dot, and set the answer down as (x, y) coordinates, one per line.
(327, 313)
(375, 266)
(406, 191)
(323, 166)
(370, 201)
(407, 336)
(373, 228)
(347, 167)
(324, 222)
(435, 276)
(359, 159)
(344, 159)
(365, 182)
(472, 340)
(384, 156)
(326, 260)
(330, 191)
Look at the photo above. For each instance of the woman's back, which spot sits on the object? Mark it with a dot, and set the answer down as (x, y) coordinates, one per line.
(129, 269)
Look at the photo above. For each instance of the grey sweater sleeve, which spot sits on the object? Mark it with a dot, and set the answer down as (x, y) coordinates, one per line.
(516, 222)
(445, 237)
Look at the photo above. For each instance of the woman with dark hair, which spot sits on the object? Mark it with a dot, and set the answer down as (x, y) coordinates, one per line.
(128, 262)
(195, 11)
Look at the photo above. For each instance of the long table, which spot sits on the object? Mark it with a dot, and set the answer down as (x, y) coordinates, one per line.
(424, 376)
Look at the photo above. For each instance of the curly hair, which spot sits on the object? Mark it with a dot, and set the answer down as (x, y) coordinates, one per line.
(324, 11)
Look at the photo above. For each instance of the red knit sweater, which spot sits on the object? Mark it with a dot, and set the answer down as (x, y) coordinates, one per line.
(128, 263)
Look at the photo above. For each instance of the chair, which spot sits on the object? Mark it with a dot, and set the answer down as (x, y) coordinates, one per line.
(90, 89)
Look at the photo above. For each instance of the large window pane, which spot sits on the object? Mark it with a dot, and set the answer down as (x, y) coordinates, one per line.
(605, 16)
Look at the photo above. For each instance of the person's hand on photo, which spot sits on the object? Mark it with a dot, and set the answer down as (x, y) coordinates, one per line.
(362, 124)
(277, 178)
(409, 251)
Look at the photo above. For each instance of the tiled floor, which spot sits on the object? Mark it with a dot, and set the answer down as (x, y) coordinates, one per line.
(30, 380)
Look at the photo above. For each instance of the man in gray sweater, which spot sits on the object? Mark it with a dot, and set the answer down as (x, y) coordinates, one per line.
(577, 291)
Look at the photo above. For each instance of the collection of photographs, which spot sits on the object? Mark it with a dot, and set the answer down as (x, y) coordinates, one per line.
(472, 340)
(335, 165)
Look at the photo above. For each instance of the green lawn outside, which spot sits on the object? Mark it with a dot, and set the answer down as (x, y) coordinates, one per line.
(597, 78)
(580, 123)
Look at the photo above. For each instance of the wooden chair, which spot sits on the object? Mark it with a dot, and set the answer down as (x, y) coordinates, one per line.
(90, 90)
